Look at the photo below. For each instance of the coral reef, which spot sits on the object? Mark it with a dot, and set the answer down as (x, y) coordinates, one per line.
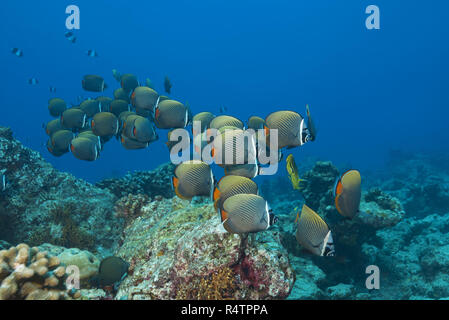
(380, 210)
(308, 279)
(129, 207)
(30, 274)
(36, 194)
(67, 233)
(340, 291)
(318, 187)
(420, 182)
(151, 183)
(338, 277)
(413, 258)
(86, 261)
(177, 249)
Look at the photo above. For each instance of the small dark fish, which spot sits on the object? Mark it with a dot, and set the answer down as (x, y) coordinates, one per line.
(84, 148)
(112, 270)
(70, 36)
(131, 144)
(92, 53)
(33, 81)
(18, 52)
(223, 109)
(52, 89)
(167, 85)
(56, 107)
(129, 82)
(93, 83)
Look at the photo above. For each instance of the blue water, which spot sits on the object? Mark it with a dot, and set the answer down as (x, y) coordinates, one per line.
(369, 90)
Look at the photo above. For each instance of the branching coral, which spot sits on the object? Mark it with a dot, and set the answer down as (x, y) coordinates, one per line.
(30, 274)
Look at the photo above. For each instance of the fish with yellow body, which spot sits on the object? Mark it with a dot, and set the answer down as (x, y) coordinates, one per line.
(293, 174)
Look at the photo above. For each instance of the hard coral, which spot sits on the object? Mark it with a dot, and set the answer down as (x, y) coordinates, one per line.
(30, 274)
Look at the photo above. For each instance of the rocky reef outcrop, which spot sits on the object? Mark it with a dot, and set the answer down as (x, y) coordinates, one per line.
(150, 183)
(41, 204)
(420, 182)
(413, 258)
(177, 250)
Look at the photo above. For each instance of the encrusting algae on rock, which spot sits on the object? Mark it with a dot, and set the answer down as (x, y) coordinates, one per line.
(220, 285)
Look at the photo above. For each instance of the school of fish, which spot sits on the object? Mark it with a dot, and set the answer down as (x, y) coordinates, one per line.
(136, 112)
